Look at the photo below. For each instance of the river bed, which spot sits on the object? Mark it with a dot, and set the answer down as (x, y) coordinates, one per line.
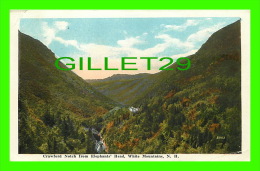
(100, 146)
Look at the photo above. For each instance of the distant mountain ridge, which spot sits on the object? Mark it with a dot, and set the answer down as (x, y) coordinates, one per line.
(119, 77)
(123, 88)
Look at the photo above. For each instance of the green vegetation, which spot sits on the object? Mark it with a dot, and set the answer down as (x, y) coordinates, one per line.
(192, 111)
(54, 104)
(125, 89)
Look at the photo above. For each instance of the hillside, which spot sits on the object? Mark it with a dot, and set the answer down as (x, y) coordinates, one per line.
(53, 104)
(192, 111)
(119, 77)
(123, 88)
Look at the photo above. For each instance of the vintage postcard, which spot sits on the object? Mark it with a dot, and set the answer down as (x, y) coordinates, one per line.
(130, 85)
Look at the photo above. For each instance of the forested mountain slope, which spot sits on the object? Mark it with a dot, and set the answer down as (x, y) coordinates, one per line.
(192, 111)
(53, 104)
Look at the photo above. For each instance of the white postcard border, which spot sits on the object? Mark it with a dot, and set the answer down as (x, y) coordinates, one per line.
(16, 15)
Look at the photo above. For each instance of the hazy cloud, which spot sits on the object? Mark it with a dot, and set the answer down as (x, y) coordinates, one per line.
(181, 27)
(61, 25)
(204, 33)
(130, 42)
(49, 34)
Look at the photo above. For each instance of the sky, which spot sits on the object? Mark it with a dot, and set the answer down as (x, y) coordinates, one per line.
(122, 37)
